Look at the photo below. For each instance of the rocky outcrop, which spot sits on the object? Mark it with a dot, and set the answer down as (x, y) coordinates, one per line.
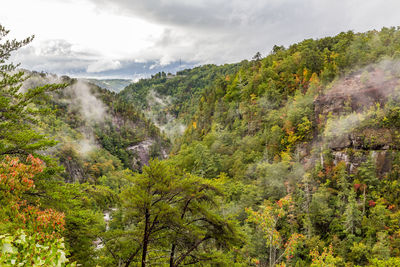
(366, 139)
(354, 158)
(356, 93)
(74, 170)
(143, 152)
(352, 96)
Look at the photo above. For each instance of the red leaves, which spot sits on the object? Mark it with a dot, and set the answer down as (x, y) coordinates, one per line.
(360, 187)
(16, 178)
(356, 186)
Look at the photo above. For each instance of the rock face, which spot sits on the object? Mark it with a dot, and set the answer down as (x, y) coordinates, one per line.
(142, 152)
(354, 159)
(354, 95)
(366, 139)
(75, 171)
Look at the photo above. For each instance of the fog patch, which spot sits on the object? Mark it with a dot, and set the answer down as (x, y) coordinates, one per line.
(87, 144)
(91, 108)
(351, 100)
(78, 99)
(158, 112)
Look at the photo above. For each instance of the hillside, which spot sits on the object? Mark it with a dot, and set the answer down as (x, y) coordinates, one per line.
(170, 101)
(286, 160)
(100, 141)
(314, 124)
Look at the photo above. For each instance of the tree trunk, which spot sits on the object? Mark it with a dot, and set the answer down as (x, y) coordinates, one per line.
(171, 257)
(364, 200)
(145, 238)
(172, 254)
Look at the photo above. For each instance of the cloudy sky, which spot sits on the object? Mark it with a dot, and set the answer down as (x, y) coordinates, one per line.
(131, 38)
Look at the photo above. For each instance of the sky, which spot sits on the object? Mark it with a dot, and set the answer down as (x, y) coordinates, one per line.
(135, 38)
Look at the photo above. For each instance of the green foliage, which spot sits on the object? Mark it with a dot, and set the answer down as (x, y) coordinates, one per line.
(255, 134)
(260, 126)
(168, 210)
(385, 263)
(19, 115)
(23, 250)
(326, 258)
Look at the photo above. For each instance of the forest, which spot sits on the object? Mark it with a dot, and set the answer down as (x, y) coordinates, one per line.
(287, 159)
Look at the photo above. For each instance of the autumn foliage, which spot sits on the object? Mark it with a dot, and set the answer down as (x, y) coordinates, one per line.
(17, 179)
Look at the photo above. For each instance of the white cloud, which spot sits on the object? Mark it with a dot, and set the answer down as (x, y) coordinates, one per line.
(203, 31)
(103, 65)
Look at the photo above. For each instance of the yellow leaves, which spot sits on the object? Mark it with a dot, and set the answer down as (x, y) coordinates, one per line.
(285, 156)
(222, 179)
(334, 55)
(314, 79)
(305, 72)
(326, 258)
(297, 57)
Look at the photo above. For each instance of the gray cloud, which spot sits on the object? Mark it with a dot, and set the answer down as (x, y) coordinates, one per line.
(60, 57)
(56, 56)
(219, 31)
(225, 14)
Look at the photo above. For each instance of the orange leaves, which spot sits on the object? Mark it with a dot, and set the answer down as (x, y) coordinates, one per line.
(48, 222)
(326, 258)
(17, 177)
(292, 244)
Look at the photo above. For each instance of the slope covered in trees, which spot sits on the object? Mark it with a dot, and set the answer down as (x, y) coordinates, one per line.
(66, 146)
(307, 137)
(171, 100)
(288, 160)
(313, 126)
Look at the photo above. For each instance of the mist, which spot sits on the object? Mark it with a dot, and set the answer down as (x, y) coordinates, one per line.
(350, 101)
(91, 108)
(158, 113)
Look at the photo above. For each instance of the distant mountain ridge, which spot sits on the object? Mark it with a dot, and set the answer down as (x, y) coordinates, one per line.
(114, 85)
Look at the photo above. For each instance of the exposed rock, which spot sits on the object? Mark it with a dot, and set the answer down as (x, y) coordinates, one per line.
(74, 169)
(383, 161)
(340, 143)
(367, 139)
(352, 142)
(373, 139)
(142, 151)
(352, 159)
(355, 93)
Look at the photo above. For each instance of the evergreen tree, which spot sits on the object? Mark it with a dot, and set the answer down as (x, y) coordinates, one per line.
(169, 210)
(18, 116)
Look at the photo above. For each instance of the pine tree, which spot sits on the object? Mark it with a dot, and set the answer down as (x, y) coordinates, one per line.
(18, 114)
(173, 211)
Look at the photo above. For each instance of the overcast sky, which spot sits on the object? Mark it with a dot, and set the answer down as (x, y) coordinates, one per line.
(121, 38)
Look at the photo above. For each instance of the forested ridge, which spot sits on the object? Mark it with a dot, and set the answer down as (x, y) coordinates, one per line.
(291, 159)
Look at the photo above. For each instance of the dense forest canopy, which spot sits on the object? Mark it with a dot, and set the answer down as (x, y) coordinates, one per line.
(286, 160)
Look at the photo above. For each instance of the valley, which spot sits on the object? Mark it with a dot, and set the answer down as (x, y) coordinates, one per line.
(291, 159)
